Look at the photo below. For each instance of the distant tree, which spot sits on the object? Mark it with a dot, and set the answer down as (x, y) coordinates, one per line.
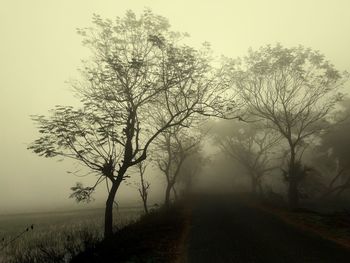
(252, 146)
(331, 157)
(138, 70)
(190, 170)
(174, 147)
(331, 179)
(295, 90)
(309, 183)
(144, 185)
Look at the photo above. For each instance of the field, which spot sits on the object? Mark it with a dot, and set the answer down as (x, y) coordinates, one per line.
(55, 236)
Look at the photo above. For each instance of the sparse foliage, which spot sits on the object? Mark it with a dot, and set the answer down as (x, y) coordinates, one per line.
(252, 146)
(331, 157)
(295, 90)
(173, 148)
(81, 193)
(140, 82)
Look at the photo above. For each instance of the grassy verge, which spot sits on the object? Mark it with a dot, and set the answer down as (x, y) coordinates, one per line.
(55, 237)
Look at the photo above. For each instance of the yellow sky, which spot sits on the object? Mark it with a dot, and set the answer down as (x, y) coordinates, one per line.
(40, 50)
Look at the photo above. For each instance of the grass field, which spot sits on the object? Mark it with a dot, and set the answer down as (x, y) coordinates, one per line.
(55, 236)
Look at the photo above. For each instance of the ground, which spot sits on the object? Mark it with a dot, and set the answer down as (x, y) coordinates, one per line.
(215, 229)
(156, 237)
(226, 229)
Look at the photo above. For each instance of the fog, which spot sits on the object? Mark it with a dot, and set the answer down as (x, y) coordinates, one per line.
(40, 51)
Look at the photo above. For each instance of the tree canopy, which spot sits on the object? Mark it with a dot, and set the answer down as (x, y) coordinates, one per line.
(294, 89)
(140, 81)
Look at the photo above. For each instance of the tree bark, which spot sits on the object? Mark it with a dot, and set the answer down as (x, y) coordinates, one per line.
(175, 193)
(293, 194)
(144, 192)
(145, 206)
(167, 194)
(293, 180)
(144, 201)
(108, 231)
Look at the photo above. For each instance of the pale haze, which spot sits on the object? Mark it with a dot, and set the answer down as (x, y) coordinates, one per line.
(40, 51)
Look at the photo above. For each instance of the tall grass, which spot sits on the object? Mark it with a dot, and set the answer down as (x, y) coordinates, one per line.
(56, 240)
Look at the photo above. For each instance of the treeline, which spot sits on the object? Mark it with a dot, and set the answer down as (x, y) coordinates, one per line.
(144, 94)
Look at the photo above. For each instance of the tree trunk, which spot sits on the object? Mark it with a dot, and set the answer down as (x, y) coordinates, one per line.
(175, 193)
(145, 207)
(293, 192)
(108, 231)
(167, 194)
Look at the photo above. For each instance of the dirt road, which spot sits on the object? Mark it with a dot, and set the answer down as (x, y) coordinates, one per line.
(226, 229)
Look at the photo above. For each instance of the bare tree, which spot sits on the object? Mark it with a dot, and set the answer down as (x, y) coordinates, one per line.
(252, 146)
(330, 158)
(139, 70)
(191, 169)
(333, 153)
(295, 90)
(143, 187)
(335, 178)
(174, 147)
(337, 185)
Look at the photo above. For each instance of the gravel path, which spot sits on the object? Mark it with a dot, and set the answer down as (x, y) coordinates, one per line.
(225, 229)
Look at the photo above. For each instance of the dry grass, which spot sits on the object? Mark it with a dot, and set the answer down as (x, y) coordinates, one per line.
(56, 237)
(156, 237)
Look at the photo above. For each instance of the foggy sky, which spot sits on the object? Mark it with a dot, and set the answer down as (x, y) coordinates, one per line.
(40, 50)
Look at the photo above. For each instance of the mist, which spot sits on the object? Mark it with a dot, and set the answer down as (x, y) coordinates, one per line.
(156, 112)
(41, 52)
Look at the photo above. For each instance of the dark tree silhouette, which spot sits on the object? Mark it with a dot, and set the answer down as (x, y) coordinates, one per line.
(144, 185)
(139, 74)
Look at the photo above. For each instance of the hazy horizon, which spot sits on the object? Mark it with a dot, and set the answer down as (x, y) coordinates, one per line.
(41, 51)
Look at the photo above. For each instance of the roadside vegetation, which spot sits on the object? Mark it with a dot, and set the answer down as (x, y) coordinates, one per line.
(55, 237)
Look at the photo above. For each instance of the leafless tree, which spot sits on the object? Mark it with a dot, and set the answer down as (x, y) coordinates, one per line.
(139, 71)
(191, 170)
(294, 89)
(330, 158)
(144, 185)
(253, 147)
(174, 146)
